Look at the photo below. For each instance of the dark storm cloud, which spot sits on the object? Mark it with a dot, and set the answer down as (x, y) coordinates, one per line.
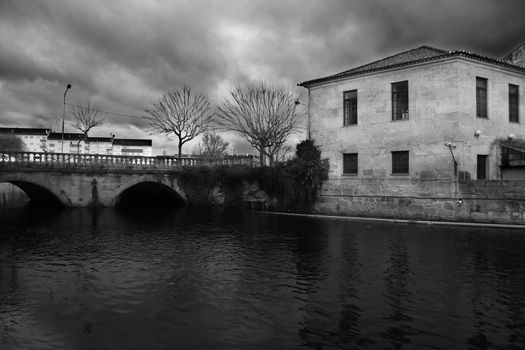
(124, 54)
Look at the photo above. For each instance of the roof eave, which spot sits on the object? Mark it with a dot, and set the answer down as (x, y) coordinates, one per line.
(452, 54)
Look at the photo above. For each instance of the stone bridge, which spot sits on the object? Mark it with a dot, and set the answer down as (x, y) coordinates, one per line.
(80, 180)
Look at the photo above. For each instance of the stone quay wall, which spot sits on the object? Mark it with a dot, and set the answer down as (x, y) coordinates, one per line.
(480, 201)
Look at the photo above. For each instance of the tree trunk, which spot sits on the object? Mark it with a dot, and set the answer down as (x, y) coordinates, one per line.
(86, 141)
(261, 156)
(180, 152)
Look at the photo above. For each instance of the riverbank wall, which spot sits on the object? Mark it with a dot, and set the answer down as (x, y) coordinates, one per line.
(480, 201)
(245, 194)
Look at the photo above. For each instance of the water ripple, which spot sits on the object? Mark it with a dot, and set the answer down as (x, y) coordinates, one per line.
(218, 279)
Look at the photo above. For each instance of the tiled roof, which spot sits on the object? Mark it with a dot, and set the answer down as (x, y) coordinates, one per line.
(24, 131)
(420, 53)
(79, 136)
(517, 56)
(132, 142)
(67, 136)
(407, 58)
(100, 139)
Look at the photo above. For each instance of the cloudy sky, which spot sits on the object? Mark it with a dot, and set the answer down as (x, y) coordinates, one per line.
(123, 54)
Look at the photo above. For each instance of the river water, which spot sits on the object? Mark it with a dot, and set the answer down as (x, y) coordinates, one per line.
(206, 278)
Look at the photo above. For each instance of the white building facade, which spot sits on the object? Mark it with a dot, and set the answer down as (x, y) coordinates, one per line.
(35, 139)
(43, 140)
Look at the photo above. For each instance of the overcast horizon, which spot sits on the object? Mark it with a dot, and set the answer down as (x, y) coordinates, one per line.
(123, 55)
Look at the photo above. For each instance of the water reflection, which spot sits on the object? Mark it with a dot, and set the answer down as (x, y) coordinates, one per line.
(212, 278)
(397, 292)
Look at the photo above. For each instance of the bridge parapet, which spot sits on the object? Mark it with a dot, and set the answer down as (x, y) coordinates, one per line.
(79, 161)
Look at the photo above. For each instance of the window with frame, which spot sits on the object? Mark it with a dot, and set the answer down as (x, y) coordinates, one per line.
(400, 100)
(481, 97)
(514, 103)
(400, 162)
(350, 107)
(350, 163)
(482, 166)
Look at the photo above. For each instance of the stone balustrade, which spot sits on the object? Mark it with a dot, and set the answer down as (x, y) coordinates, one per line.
(72, 160)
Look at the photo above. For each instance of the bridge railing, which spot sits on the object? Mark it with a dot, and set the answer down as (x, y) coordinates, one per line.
(73, 160)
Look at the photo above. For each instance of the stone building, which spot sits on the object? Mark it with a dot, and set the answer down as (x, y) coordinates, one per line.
(415, 125)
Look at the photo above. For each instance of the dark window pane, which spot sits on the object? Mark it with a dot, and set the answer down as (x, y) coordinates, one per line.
(350, 94)
(482, 167)
(350, 163)
(481, 97)
(400, 162)
(346, 120)
(400, 100)
(350, 107)
(514, 103)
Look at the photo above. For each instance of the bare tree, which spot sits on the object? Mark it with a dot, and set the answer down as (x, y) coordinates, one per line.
(11, 143)
(265, 115)
(85, 119)
(211, 146)
(284, 153)
(181, 113)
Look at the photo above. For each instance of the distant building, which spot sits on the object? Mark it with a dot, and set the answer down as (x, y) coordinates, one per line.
(100, 145)
(73, 143)
(132, 147)
(43, 140)
(35, 139)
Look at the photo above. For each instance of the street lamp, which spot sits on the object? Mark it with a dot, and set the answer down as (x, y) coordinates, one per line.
(297, 103)
(64, 115)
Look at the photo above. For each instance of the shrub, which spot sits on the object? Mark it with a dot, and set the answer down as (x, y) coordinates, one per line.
(296, 184)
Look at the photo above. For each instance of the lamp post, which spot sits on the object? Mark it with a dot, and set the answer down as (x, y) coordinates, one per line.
(64, 115)
(297, 103)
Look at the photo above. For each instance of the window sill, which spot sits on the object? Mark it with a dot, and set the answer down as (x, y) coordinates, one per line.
(400, 174)
(400, 120)
(513, 122)
(349, 125)
(349, 175)
(487, 118)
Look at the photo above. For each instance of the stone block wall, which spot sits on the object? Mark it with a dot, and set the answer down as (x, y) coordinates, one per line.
(482, 201)
(442, 109)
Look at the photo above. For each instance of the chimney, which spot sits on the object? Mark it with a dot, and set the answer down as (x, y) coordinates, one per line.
(516, 57)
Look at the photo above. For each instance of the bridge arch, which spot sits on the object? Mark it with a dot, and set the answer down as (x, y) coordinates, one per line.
(39, 192)
(149, 190)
